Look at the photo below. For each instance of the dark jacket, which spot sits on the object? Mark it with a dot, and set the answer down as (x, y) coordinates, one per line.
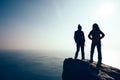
(96, 36)
(79, 37)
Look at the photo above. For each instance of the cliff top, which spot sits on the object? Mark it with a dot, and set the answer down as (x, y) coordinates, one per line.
(84, 70)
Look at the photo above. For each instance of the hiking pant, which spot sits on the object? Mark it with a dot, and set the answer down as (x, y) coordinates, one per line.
(98, 44)
(78, 46)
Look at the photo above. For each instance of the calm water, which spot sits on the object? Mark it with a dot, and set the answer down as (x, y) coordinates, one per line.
(24, 65)
(33, 65)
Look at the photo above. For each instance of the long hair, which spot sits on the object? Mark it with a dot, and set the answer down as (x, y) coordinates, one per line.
(95, 27)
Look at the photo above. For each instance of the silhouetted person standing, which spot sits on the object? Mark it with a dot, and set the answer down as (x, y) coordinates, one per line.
(80, 40)
(96, 35)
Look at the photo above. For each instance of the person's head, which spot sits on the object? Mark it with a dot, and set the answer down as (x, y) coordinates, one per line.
(96, 27)
(79, 27)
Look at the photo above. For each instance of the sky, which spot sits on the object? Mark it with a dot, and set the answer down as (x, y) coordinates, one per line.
(50, 24)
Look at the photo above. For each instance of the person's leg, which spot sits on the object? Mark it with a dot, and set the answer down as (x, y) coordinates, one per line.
(82, 51)
(92, 52)
(78, 48)
(99, 53)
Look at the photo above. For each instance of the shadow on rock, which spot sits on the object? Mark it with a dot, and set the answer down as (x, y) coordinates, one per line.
(74, 69)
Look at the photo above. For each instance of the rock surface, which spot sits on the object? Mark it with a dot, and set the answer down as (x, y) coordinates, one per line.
(84, 70)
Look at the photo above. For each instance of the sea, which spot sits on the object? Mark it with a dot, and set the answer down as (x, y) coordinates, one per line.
(30, 65)
(36, 65)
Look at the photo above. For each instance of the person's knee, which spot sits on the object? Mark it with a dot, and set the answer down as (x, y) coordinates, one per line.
(77, 50)
(92, 51)
(100, 56)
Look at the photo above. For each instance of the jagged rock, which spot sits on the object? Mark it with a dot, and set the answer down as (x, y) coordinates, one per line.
(84, 70)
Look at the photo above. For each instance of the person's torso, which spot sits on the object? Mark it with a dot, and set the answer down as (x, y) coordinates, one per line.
(96, 36)
(79, 36)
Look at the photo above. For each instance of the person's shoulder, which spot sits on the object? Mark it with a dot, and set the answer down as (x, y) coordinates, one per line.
(100, 31)
(76, 31)
(82, 32)
(91, 31)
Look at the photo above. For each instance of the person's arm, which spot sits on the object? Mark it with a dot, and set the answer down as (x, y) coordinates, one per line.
(83, 37)
(102, 34)
(75, 36)
(90, 35)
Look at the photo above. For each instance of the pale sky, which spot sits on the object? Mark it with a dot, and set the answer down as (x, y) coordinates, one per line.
(50, 24)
